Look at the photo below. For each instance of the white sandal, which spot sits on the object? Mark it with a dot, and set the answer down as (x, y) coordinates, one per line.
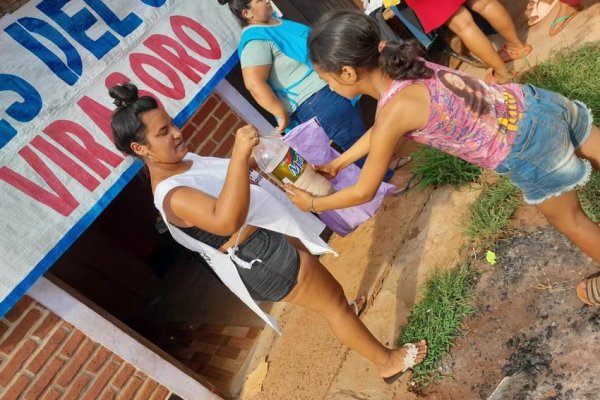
(412, 351)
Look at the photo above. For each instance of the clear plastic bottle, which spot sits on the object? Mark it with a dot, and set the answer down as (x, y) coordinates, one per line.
(277, 159)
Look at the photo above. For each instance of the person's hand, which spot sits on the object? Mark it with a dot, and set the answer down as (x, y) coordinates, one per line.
(245, 139)
(283, 121)
(301, 198)
(329, 171)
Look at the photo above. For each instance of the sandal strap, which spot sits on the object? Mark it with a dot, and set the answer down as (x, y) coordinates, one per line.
(412, 351)
(592, 289)
(560, 20)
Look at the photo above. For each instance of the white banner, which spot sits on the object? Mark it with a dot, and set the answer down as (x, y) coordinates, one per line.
(58, 165)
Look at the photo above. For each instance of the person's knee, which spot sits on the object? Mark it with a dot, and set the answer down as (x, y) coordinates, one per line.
(461, 21)
(479, 6)
(337, 303)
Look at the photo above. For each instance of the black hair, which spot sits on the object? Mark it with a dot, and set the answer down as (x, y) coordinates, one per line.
(126, 122)
(237, 7)
(473, 102)
(348, 38)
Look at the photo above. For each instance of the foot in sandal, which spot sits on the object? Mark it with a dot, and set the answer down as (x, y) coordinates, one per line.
(540, 10)
(403, 359)
(565, 14)
(510, 52)
(359, 304)
(588, 290)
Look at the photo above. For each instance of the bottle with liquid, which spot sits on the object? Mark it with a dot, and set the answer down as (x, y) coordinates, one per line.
(277, 159)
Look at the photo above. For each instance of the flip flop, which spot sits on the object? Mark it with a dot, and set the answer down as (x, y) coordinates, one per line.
(400, 162)
(507, 53)
(412, 182)
(359, 304)
(412, 351)
(559, 23)
(541, 9)
(591, 294)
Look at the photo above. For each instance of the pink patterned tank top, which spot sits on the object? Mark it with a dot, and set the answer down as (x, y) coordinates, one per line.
(468, 118)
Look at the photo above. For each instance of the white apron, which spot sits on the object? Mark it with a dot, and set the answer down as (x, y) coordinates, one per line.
(272, 211)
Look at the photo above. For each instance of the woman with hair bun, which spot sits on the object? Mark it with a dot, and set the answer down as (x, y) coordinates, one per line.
(546, 143)
(253, 242)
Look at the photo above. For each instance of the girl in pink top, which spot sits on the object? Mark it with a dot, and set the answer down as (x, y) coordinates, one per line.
(544, 142)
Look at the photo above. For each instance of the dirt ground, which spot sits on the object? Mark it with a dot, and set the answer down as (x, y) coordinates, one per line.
(529, 325)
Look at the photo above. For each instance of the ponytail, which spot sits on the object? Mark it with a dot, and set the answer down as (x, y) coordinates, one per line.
(348, 38)
(401, 61)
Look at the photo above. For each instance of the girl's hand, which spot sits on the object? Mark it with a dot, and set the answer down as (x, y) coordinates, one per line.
(327, 170)
(283, 122)
(301, 198)
(245, 139)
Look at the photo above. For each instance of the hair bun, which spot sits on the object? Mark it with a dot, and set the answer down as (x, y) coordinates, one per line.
(124, 95)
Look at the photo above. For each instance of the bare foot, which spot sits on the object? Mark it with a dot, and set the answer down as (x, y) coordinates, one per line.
(400, 360)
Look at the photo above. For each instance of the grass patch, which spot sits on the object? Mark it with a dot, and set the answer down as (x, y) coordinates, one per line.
(589, 195)
(489, 216)
(437, 168)
(573, 74)
(438, 318)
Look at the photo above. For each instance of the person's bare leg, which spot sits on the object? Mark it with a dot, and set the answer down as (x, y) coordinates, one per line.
(317, 290)
(462, 24)
(565, 213)
(497, 15)
(590, 149)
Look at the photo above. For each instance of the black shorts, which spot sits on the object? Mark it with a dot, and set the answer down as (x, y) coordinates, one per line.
(277, 274)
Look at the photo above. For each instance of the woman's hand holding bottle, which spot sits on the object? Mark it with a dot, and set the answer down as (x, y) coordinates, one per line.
(245, 139)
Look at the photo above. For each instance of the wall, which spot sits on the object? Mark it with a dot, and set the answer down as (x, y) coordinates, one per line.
(209, 132)
(42, 356)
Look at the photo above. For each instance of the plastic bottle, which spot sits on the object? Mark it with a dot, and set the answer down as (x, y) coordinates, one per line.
(277, 159)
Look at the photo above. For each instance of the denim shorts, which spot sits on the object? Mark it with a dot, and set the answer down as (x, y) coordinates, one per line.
(276, 274)
(542, 162)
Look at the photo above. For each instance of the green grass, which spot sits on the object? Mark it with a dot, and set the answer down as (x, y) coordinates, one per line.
(438, 318)
(575, 75)
(589, 197)
(437, 168)
(489, 216)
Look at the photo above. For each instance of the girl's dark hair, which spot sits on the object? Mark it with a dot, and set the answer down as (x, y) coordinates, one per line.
(473, 102)
(347, 38)
(237, 7)
(126, 122)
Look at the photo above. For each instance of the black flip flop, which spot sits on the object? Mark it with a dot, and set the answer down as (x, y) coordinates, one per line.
(412, 182)
(401, 162)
